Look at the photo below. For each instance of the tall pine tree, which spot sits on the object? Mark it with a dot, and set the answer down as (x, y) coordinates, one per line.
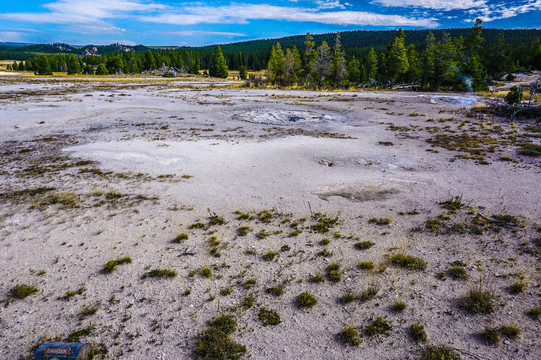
(218, 66)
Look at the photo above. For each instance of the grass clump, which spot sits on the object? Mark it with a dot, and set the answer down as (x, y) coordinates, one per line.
(317, 278)
(306, 300)
(417, 333)
(226, 291)
(478, 301)
(491, 335)
(364, 245)
(377, 327)
(206, 272)
(275, 290)
(250, 283)
(76, 335)
(534, 313)
(197, 225)
(458, 272)
(324, 223)
(366, 265)
(161, 273)
(530, 149)
(517, 287)
(262, 234)
(111, 265)
(181, 237)
(21, 291)
(368, 294)
(269, 317)
(270, 255)
(350, 336)
(248, 301)
(216, 220)
(408, 261)
(510, 331)
(439, 352)
(215, 342)
(347, 298)
(89, 311)
(243, 230)
(333, 272)
(398, 306)
(380, 221)
(453, 204)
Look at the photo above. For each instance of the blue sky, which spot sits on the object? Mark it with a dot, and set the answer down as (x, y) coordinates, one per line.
(160, 22)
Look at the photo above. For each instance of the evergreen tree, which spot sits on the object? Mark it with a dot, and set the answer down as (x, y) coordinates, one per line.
(15, 66)
(338, 62)
(397, 57)
(415, 66)
(73, 66)
(218, 66)
(310, 55)
(42, 66)
(429, 66)
(323, 63)
(243, 73)
(372, 65)
(354, 71)
(115, 64)
(276, 66)
(297, 63)
(88, 70)
(149, 63)
(101, 69)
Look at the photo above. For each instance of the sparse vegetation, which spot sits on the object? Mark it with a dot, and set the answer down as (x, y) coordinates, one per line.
(366, 265)
(378, 326)
(270, 255)
(510, 331)
(380, 221)
(478, 301)
(491, 335)
(181, 237)
(22, 291)
(408, 262)
(206, 272)
(276, 291)
(364, 245)
(398, 306)
(439, 352)
(417, 333)
(350, 336)
(269, 317)
(215, 342)
(333, 272)
(517, 287)
(458, 272)
(111, 265)
(161, 273)
(306, 300)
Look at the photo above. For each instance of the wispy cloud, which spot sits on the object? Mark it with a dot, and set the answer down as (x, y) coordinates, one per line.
(87, 16)
(504, 11)
(243, 13)
(434, 4)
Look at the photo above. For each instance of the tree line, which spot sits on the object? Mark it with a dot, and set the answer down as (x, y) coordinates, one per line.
(441, 60)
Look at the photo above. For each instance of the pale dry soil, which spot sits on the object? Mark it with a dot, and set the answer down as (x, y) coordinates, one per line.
(91, 172)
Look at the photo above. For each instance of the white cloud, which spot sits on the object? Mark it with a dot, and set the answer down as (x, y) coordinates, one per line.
(434, 4)
(89, 15)
(242, 13)
(10, 36)
(500, 11)
(329, 4)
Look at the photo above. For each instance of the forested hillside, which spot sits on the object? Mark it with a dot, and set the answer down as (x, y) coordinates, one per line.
(452, 58)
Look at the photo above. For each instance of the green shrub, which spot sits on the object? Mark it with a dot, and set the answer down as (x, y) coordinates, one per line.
(206, 271)
(243, 230)
(398, 306)
(180, 237)
(22, 290)
(317, 278)
(347, 298)
(458, 272)
(368, 294)
(491, 335)
(380, 221)
(529, 149)
(350, 336)
(408, 261)
(270, 255)
(269, 317)
(161, 273)
(439, 352)
(517, 287)
(215, 342)
(111, 265)
(366, 265)
(478, 301)
(510, 331)
(276, 291)
(514, 96)
(306, 300)
(364, 245)
(417, 333)
(534, 313)
(377, 327)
